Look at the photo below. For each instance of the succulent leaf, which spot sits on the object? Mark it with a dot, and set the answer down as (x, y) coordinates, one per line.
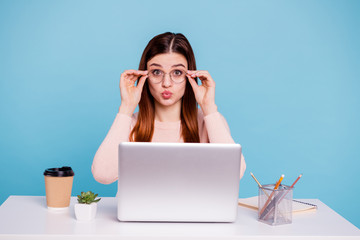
(88, 197)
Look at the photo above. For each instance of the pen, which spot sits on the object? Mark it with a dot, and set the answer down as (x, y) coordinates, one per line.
(272, 194)
(259, 184)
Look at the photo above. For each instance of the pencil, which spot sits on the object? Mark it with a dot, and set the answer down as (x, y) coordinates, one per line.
(296, 180)
(259, 184)
(278, 183)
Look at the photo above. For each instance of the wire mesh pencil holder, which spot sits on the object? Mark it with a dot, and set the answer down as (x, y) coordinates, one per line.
(275, 206)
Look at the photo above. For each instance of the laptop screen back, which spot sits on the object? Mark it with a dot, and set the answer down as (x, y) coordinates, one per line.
(182, 182)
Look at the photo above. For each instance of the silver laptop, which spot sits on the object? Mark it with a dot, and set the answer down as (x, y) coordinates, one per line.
(178, 182)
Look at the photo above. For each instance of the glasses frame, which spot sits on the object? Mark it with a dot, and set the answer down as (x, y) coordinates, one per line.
(163, 77)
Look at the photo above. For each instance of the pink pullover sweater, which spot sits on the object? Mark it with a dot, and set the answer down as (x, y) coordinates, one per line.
(213, 128)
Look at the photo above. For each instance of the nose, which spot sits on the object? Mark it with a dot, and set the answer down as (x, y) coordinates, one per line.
(167, 82)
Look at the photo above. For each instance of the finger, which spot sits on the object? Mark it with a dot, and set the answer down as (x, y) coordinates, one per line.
(202, 74)
(205, 77)
(123, 78)
(127, 72)
(193, 83)
(191, 71)
(130, 79)
(201, 77)
(142, 72)
(130, 76)
(197, 71)
(134, 73)
(142, 82)
(127, 76)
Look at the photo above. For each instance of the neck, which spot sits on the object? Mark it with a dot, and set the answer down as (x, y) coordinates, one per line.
(168, 113)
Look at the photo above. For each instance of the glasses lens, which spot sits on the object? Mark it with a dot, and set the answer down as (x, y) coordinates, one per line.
(156, 76)
(177, 76)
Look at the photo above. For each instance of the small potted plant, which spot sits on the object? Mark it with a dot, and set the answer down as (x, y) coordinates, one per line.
(85, 209)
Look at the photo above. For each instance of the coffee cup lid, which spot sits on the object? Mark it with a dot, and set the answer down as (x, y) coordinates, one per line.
(59, 172)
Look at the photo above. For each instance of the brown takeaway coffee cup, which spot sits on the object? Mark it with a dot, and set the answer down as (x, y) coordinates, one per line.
(58, 185)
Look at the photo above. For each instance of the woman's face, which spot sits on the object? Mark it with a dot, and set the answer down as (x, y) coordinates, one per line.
(167, 78)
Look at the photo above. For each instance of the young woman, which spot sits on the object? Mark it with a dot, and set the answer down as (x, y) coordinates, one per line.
(165, 88)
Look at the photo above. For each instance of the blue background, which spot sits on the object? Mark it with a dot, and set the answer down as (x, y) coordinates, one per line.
(287, 75)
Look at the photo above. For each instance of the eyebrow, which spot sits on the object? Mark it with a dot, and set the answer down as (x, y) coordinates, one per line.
(176, 65)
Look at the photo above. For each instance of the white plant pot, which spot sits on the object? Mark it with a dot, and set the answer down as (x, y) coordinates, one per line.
(85, 212)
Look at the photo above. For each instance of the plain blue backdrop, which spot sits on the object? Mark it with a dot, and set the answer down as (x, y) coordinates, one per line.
(287, 75)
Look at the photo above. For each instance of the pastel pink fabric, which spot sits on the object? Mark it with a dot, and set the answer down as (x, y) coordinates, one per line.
(213, 128)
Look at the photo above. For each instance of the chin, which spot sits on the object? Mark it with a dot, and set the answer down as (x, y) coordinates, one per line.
(166, 102)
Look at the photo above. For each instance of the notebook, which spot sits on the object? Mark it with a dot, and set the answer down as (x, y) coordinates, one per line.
(298, 206)
(178, 182)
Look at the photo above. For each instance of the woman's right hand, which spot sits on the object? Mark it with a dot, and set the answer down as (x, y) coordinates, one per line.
(131, 94)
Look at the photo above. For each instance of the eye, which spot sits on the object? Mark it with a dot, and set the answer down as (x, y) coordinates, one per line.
(177, 73)
(157, 72)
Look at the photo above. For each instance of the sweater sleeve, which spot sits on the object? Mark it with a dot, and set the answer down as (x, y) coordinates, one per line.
(218, 132)
(105, 163)
(217, 128)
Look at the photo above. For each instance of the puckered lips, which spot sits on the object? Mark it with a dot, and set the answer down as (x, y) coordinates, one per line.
(166, 94)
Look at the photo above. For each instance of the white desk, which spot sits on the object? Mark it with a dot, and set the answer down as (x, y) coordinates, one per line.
(25, 217)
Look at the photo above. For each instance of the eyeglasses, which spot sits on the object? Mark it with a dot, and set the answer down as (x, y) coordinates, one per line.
(157, 76)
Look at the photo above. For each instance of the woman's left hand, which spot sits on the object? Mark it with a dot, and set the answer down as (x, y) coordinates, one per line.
(204, 93)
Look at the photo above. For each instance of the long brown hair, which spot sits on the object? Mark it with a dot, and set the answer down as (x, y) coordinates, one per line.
(144, 128)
